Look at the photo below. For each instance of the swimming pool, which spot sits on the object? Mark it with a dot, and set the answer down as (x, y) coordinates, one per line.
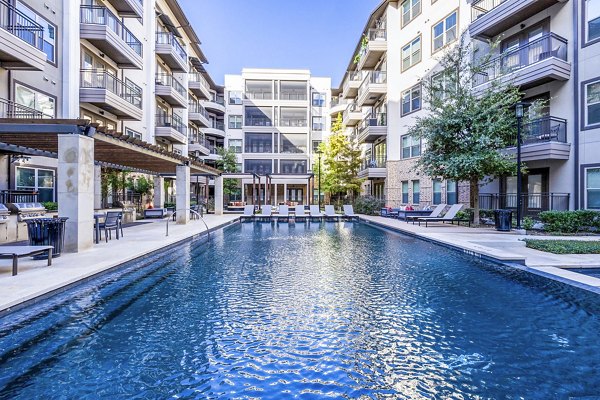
(317, 310)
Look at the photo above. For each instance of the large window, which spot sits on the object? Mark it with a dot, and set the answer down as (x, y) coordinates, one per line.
(259, 143)
(36, 179)
(411, 100)
(318, 99)
(444, 32)
(317, 123)
(315, 145)
(49, 45)
(592, 187)
(592, 103)
(405, 192)
(293, 90)
(258, 116)
(292, 166)
(411, 53)
(451, 197)
(416, 192)
(39, 101)
(235, 97)
(261, 90)
(293, 143)
(411, 146)
(260, 167)
(437, 191)
(235, 122)
(294, 117)
(410, 9)
(441, 85)
(235, 145)
(592, 16)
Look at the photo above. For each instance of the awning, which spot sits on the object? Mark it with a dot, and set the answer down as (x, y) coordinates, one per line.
(169, 24)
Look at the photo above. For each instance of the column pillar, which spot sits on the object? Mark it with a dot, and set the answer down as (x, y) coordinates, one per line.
(97, 187)
(285, 193)
(276, 202)
(159, 192)
(219, 195)
(182, 197)
(75, 188)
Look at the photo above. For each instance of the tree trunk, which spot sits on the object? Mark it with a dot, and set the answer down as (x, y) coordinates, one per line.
(474, 183)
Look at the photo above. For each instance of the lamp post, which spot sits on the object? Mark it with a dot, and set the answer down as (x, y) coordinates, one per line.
(519, 113)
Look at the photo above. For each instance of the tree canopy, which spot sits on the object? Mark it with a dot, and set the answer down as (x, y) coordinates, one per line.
(228, 163)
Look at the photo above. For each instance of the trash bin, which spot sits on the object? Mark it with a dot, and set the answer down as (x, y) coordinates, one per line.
(503, 220)
(47, 232)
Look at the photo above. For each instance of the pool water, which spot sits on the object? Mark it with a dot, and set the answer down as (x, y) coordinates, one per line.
(309, 311)
(594, 272)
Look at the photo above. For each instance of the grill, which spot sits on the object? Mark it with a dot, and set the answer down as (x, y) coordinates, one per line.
(26, 211)
(4, 213)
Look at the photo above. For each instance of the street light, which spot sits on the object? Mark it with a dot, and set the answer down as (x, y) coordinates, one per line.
(318, 151)
(519, 113)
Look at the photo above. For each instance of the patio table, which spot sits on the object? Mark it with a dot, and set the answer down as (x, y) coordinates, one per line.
(97, 217)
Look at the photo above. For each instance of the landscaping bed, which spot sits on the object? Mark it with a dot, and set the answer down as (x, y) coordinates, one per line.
(564, 246)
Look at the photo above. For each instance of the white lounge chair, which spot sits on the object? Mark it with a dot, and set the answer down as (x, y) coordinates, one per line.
(300, 213)
(349, 212)
(265, 213)
(436, 213)
(330, 212)
(315, 212)
(450, 216)
(248, 212)
(284, 213)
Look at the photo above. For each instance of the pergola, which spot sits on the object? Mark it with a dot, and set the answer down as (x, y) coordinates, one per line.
(239, 175)
(290, 177)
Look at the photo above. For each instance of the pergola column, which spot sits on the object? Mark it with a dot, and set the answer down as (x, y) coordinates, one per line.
(75, 188)
(97, 187)
(159, 192)
(182, 197)
(219, 195)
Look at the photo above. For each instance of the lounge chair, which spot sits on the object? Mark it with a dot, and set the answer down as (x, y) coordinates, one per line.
(450, 216)
(330, 213)
(436, 213)
(284, 213)
(248, 212)
(265, 214)
(349, 212)
(315, 213)
(300, 213)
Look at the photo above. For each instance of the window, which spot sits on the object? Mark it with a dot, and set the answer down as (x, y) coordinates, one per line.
(405, 192)
(416, 189)
(410, 9)
(315, 145)
(292, 166)
(260, 167)
(39, 101)
(235, 145)
(411, 146)
(592, 16)
(49, 34)
(318, 99)
(235, 97)
(134, 134)
(295, 195)
(317, 123)
(259, 143)
(444, 32)
(235, 122)
(451, 193)
(258, 116)
(411, 53)
(411, 100)
(592, 188)
(36, 179)
(437, 191)
(441, 85)
(293, 143)
(592, 106)
(238, 167)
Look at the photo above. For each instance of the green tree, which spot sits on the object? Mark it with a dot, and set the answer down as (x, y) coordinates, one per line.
(465, 130)
(228, 163)
(341, 162)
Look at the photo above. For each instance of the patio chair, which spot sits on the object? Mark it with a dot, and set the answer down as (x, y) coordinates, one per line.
(450, 216)
(265, 213)
(248, 212)
(437, 212)
(315, 213)
(119, 214)
(349, 212)
(330, 212)
(284, 213)
(300, 213)
(111, 222)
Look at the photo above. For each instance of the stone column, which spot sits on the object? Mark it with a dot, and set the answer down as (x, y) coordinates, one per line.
(218, 195)
(285, 193)
(97, 187)
(182, 197)
(75, 188)
(159, 192)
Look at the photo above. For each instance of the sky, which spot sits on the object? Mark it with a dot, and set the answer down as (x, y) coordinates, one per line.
(319, 35)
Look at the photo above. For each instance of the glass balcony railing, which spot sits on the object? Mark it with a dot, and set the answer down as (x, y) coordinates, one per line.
(376, 162)
(196, 107)
(376, 119)
(377, 34)
(174, 121)
(197, 77)
(165, 79)
(293, 122)
(103, 16)
(100, 79)
(21, 26)
(481, 7)
(372, 78)
(169, 38)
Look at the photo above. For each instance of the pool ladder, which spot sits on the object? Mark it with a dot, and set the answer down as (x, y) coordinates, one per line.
(193, 212)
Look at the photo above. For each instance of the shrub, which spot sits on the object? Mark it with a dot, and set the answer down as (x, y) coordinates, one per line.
(468, 213)
(528, 223)
(368, 205)
(169, 205)
(50, 205)
(570, 221)
(565, 246)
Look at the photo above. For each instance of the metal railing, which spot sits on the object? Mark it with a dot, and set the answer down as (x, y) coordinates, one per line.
(197, 77)
(10, 109)
(377, 34)
(165, 79)
(170, 39)
(336, 101)
(100, 79)
(481, 7)
(372, 78)
(375, 119)
(196, 107)
(256, 95)
(376, 162)
(196, 138)
(21, 26)
(220, 125)
(292, 95)
(548, 46)
(533, 203)
(293, 122)
(353, 107)
(18, 196)
(257, 121)
(545, 129)
(98, 15)
(172, 121)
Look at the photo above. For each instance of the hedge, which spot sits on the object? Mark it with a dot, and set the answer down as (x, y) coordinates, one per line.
(570, 221)
(564, 246)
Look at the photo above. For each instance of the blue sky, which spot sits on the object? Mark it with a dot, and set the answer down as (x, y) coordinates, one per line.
(319, 35)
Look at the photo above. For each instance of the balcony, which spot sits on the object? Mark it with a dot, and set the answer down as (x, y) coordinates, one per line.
(372, 128)
(489, 18)
(10, 109)
(533, 203)
(543, 139)
(373, 168)
(197, 146)
(374, 49)
(129, 8)
(293, 122)
(108, 93)
(170, 90)
(337, 106)
(21, 40)
(197, 114)
(106, 31)
(171, 51)
(351, 84)
(198, 85)
(372, 88)
(171, 128)
(540, 61)
(353, 115)
(216, 106)
(216, 129)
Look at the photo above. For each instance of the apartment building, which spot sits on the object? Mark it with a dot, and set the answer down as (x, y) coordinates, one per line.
(276, 118)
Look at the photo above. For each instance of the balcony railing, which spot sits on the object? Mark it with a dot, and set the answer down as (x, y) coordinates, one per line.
(377, 34)
(549, 45)
(377, 162)
(257, 121)
(196, 107)
(256, 95)
(197, 77)
(336, 101)
(21, 26)
(378, 119)
(103, 16)
(195, 138)
(293, 122)
(292, 95)
(372, 78)
(532, 203)
(545, 129)
(168, 80)
(220, 125)
(175, 122)
(18, 196)
(480, 7)
(353, 107)
(10, 109)
(169, 38)
(99, 79)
